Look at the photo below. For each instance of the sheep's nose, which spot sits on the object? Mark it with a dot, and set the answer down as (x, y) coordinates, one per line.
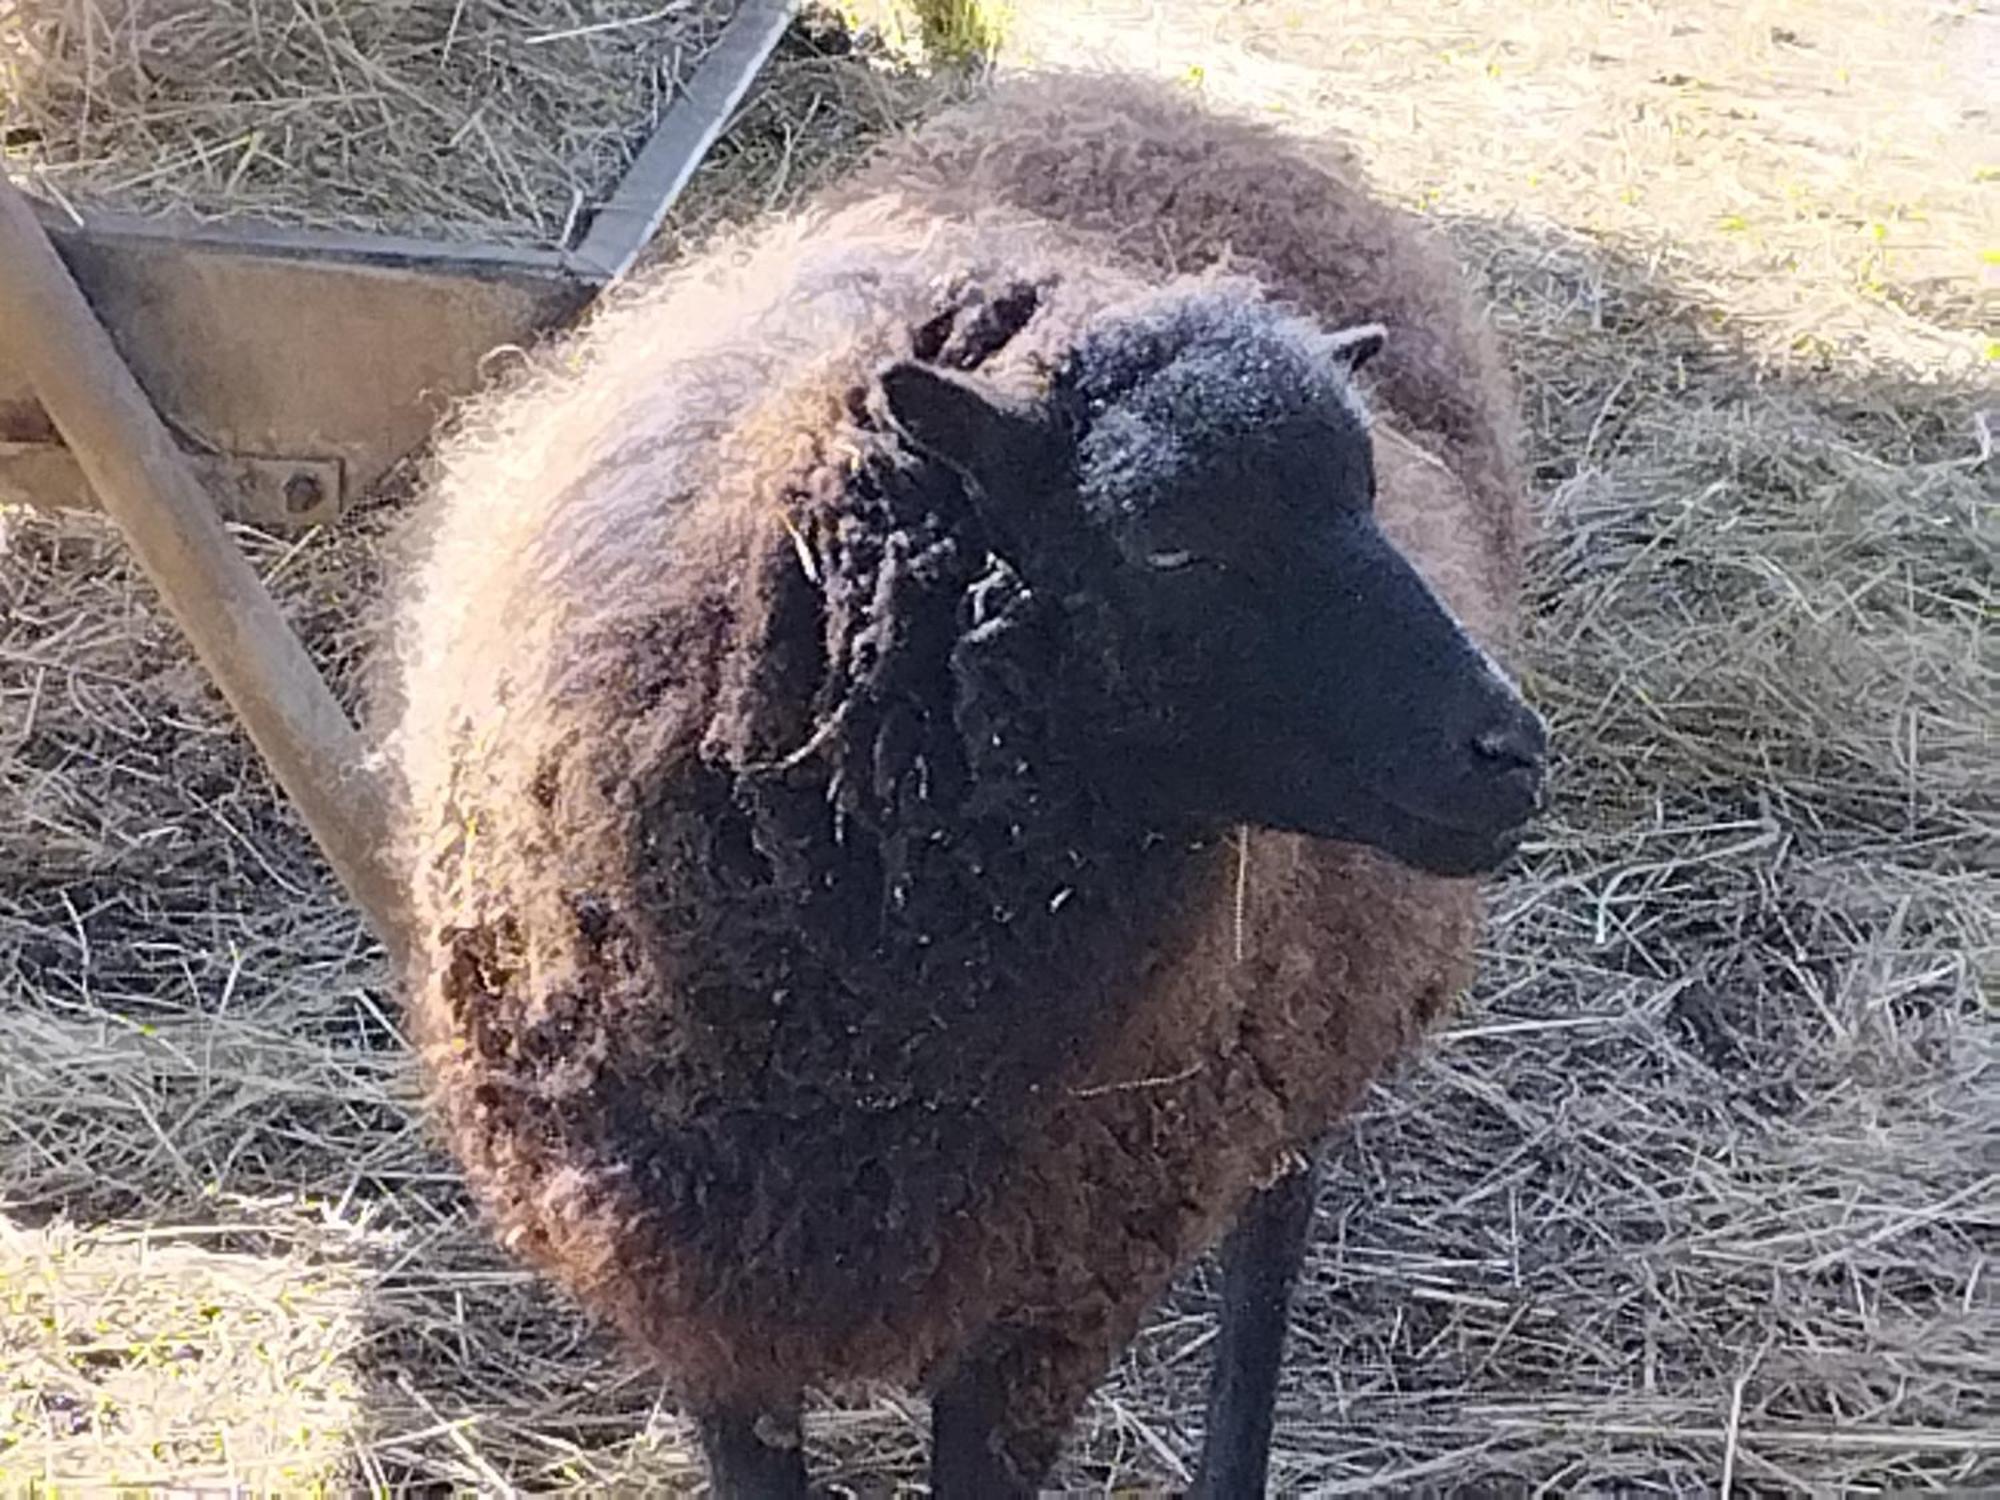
(1519, 743)
(1515, 749)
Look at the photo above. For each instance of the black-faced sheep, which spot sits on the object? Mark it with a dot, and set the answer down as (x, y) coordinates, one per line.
(890, 733)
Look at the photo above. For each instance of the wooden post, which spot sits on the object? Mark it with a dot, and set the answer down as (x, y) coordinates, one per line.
(145, 483)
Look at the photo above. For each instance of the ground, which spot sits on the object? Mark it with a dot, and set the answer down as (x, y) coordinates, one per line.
(1699, 1188)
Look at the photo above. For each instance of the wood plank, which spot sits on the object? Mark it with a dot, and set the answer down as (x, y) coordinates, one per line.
(144, 481)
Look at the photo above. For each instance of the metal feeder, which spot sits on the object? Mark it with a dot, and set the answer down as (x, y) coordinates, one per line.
(178, 377)
(297, 367)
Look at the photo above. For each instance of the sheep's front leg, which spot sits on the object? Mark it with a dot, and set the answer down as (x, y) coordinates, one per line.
(969, 1454)
(998, 1424)
(754, 1455)
(1261, 1261)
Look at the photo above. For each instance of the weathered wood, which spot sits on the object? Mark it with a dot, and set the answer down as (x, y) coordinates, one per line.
(145, 483)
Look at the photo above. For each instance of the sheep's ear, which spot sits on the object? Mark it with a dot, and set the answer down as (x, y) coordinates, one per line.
(1013, 453)
(1001, 444)
(1355, 346)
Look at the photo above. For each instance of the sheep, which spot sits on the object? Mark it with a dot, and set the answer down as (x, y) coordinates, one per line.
(942, 746)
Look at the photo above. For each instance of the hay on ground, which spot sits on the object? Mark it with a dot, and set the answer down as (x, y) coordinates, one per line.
(499, 120)
(1700, 1186)
(136, 1360)
(1702, 1181)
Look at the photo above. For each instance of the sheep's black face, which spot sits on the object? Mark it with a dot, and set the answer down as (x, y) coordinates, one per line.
(1199, 485)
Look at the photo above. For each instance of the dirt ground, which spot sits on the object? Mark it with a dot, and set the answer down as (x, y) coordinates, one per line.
(1701, 1188)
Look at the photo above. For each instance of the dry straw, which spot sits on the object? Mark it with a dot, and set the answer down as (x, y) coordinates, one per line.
(1702, 1183)
(499, 120)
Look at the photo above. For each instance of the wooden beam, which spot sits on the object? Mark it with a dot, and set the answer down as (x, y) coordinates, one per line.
(144, 481)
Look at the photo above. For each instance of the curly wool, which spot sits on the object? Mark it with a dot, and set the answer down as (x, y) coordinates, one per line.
(1192, 377)
(800, 990)
(786, 898)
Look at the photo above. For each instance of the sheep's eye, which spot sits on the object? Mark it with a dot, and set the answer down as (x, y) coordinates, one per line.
(1169, 562)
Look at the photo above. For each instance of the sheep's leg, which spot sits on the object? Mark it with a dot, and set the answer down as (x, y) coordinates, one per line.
(967, 1451)
(754, 1456)
(998, 1424)
(1261, 1260)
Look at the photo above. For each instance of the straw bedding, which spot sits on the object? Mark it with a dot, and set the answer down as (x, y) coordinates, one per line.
(498, 120)
(1699, 1188)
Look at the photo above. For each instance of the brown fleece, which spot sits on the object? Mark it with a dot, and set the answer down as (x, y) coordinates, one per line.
(985, 1060)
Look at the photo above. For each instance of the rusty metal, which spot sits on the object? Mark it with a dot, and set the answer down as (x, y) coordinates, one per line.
(257, 341)
(272, 494)
(621, 229)
(249, 347)
(174, 371)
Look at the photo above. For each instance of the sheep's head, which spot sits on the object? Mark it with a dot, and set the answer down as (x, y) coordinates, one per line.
(1198, 485)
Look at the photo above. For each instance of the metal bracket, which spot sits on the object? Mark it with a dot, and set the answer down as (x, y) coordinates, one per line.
(272, 494)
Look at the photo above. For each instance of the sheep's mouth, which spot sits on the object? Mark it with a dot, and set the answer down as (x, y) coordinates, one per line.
(1426, 843)
(1474, 837)
(1441, 848)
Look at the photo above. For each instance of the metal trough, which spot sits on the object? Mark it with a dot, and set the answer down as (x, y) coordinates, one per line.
(296, 367)
(166, 373)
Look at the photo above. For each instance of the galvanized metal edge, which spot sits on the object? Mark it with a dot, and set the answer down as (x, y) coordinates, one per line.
(620, 230)
(616, 234)
(272, 241)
